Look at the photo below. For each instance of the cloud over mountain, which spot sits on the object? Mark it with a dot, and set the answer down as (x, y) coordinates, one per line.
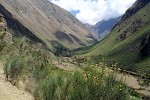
(92, 11)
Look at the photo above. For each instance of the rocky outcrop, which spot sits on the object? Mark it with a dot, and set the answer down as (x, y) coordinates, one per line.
(4, 34)
(2, 23)
(136, 25)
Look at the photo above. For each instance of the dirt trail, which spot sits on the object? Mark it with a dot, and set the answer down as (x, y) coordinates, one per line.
(66, 64)
(10, 92)
(132, 81)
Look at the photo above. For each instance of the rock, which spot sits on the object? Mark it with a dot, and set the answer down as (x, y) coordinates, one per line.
(6, 36)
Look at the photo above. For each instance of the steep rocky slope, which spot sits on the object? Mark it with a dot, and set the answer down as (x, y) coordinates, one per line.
(43, 21)
(129, 41)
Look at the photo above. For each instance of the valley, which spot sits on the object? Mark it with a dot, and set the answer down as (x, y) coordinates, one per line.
(48, 54)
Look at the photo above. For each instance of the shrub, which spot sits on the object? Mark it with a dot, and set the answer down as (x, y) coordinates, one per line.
(13, 67)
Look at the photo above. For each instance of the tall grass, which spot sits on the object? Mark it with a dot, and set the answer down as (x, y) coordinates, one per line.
(91, 84)
(23, 57)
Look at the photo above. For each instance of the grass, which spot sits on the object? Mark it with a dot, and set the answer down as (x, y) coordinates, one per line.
(90, 84)
(144, 64)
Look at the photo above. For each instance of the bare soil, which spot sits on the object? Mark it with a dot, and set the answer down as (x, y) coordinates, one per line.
(10, 92)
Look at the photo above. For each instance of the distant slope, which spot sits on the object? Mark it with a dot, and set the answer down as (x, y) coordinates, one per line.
(103, 27)
(129, 41)
(43, 21)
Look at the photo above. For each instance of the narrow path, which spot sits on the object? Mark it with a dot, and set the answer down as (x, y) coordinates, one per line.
(10, 92)
(132, 82)
(66, 65)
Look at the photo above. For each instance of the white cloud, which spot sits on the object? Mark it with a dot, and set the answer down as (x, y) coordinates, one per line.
(92, 11)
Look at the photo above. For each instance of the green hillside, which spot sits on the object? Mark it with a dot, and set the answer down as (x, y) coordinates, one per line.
(128, 42)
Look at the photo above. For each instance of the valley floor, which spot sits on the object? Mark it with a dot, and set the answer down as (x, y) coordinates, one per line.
(10, 92)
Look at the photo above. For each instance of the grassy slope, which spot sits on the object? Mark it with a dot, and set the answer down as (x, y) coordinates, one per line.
(113, 49)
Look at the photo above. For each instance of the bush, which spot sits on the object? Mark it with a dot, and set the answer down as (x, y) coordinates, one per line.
(13, 67)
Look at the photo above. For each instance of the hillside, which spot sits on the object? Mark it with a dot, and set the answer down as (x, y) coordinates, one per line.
(129, 41)
(45, 22)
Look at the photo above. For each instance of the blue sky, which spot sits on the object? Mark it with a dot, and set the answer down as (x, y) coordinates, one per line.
(75, 12)
(93, 11)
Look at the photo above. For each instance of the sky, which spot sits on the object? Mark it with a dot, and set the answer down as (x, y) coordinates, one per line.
(93, 11)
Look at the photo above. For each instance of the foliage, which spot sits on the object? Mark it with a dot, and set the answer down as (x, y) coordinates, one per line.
(90, 84)
(14, 67)
(2, 44)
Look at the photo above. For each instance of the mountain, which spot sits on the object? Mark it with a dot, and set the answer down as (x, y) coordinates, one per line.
(43, 21)
(102, 28)
(129, 41)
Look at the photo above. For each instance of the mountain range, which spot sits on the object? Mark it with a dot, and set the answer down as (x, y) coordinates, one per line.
(102, 28)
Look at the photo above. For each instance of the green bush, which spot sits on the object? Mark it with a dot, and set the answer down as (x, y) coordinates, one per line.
(14, 67)
(23, 57)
